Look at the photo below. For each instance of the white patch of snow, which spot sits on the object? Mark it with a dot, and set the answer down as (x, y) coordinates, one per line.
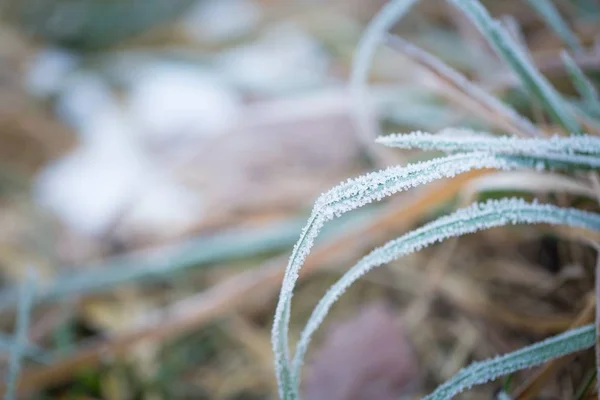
(284, 59)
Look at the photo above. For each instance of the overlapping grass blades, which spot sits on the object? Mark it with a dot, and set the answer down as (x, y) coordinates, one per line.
(520, 63)
(468, 220)
(348, 196)
(547, 10)
(581, 82)
(371, 187)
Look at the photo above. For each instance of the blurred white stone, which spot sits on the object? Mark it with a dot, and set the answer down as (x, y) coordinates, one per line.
(163, 208)
(48, 71)
(221, 20)
(170, 102)
(85, 98)
(111, 179)
(284, 59)
(90, 188)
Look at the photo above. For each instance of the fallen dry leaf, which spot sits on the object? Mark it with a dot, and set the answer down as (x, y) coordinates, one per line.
(366, 357)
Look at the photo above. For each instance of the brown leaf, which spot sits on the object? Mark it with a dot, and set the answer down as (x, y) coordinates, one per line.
(367, 357)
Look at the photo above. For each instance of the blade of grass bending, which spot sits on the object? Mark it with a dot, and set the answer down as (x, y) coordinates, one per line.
(363, 58)
(485, 371)
(549, 13)
(26, 295)
(510, 118)
(452, 140)
(348, 196)
(584, 86)
(520, 63)
(467, 220)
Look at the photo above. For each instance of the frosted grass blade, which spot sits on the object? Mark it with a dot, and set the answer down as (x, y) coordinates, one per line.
(454, 140)
(477, 217)
(520, 63)
(485, 371)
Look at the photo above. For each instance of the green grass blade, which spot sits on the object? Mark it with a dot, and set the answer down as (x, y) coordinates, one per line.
(520, 63)
(363, 58)
(35, 353)
(549, 13)
(26, 295)
(582, 84)
(164, 262)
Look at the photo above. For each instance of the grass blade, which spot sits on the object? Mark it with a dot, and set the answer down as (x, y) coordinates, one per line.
(468, 220)
(363, 58)
(453, 140)
(167, 261)
(520, 63)
(511, 120)
(26, 295)
(584, 86)
(549, 13)
(35, 353)
(482, 372)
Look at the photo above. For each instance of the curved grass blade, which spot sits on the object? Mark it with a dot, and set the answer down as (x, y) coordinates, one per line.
(520, 63)
(485, 371)
(549, 13)
(453, 140)
(363, 57)
(477, 217)
(348, 196)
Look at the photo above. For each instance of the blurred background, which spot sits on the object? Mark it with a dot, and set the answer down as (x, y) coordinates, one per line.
(158, 159)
